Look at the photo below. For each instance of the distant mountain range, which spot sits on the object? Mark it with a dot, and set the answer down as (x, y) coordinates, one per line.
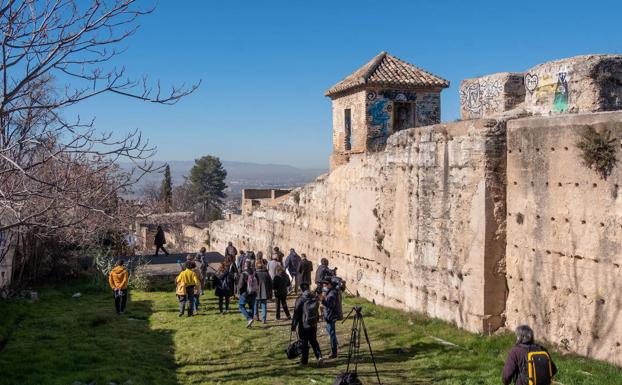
(240, 175)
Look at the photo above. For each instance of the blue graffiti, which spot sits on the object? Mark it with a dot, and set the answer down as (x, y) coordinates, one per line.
(379, 116)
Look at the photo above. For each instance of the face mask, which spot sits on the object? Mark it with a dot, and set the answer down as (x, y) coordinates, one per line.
(325, 289)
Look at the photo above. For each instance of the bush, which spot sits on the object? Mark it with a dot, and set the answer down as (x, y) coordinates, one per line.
(598, 151)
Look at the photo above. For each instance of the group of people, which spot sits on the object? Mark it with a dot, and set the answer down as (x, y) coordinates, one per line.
(256, 281)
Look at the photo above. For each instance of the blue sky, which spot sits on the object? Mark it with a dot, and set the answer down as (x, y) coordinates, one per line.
(264, 65)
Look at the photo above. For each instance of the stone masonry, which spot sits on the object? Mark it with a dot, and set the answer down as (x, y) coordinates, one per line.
(488, 222)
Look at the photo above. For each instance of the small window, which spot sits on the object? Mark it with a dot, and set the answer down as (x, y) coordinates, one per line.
(403, 117)
(347, 122)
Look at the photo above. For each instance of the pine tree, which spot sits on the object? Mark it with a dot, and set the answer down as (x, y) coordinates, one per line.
(207, 178)
(166, 190)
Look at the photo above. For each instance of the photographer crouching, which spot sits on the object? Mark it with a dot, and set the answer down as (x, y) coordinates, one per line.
(331, 303)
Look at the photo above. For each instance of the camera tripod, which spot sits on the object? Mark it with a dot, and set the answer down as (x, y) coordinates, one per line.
(354, 348)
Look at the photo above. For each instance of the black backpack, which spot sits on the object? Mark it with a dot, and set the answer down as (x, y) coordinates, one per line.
(538, 368)
(310, 312)
(347, 378)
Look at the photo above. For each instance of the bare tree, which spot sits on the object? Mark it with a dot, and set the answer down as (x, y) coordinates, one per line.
(60, 175)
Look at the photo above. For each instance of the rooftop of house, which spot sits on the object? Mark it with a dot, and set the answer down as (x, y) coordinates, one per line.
(388, 71)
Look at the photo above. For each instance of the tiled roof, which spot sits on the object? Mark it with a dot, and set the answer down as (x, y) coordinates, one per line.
(387, 70)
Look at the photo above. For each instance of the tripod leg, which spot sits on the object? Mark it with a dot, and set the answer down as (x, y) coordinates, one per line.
(373, 359)
(351, 347)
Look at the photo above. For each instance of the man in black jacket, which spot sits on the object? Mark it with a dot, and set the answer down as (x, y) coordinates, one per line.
(305, 319)
(305, 268)
(280, 284)
(515, 368)
(332, 313)
(160, 241)
(323, 273)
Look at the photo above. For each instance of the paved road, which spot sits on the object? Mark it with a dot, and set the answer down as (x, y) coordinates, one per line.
(212, 257)
(169, 264)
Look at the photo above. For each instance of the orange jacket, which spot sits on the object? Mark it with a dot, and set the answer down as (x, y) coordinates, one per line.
(118, 278)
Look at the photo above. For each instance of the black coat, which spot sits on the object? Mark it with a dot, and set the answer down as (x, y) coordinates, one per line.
(322, 273)
(223, 284)
(332, 306)
(160, 240)
(304, 270)
(280, 283)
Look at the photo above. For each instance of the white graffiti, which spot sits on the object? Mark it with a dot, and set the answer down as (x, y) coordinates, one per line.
(478, 96)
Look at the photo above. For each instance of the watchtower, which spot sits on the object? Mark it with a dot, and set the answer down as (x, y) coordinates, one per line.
(384, 96)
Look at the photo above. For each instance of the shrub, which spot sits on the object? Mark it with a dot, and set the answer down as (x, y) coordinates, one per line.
(598, 151)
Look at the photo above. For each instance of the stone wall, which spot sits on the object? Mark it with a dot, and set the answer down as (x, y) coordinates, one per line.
(564, 236)
(578, 84)
(356, 103)
(404, 226)
(490, 95)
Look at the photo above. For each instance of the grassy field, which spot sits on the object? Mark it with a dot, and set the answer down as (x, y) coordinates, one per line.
(65, 340)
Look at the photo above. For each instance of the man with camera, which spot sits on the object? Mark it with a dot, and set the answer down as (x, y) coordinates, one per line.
(332, 312)
(323, 273)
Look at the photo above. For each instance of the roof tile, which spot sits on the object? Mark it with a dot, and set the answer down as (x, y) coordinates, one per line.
(387, 70)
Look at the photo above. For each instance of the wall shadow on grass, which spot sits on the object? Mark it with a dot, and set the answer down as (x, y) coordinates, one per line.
(65, 340)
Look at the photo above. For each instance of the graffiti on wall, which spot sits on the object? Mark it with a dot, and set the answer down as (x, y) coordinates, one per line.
(428, 110)
(560, 101)
(480, 96)
(531, 82)
(379, 114)
(400, 96)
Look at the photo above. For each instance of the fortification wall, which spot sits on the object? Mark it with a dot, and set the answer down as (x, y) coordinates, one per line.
(564, 236)
(405, 226)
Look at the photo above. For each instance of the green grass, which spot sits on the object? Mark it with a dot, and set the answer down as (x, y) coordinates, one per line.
(60, 340)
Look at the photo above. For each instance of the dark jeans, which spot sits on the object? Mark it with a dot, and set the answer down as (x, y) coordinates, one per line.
(222, 299)
(309, 337)
(158, 248)
(120, 299)
(264, 309)
(250, 300)
(281, 300)
(330, 328)
(189, 298)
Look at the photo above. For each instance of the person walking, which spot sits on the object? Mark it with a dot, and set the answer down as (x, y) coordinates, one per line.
(280, 284)
(278, 254)
(264, 292)
(332, 313)
(160, 241)
(247, 287)
(203, 258)
(515, 368)
(231, 251)
(187, 281)
(305, 319)
(292, 262)
(232, 276)
(274, 262)
(223, 291)
(240, 260)
(322, 273)
(305, 268)
(197, 291)
(118, 279)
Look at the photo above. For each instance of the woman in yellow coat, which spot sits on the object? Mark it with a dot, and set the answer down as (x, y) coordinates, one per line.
(187, 281)
(117, 279)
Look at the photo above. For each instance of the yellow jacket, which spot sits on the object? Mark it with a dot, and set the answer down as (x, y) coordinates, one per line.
(184, 279)
(118, 278)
